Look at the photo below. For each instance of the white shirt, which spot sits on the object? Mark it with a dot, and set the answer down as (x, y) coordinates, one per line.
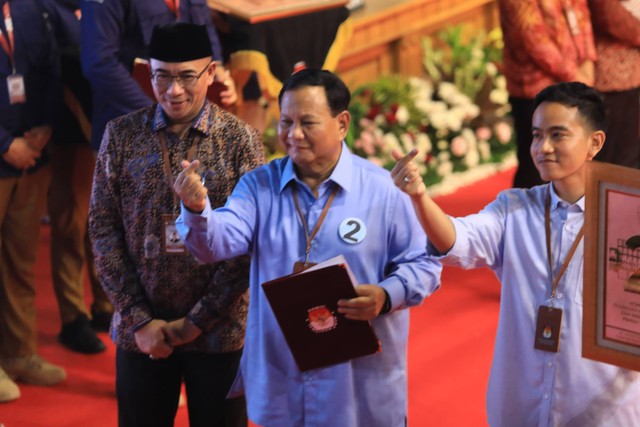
(529, 387)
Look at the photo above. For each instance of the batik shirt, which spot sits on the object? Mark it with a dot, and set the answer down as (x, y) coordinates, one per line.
(545, 42)
(131, 195)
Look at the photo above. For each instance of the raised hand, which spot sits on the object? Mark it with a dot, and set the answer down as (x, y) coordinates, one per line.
(189, 186)
(405, 174)
(229, 96)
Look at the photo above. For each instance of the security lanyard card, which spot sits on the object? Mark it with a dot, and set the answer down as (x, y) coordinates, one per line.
(15, 85)
(547, 336)
(173, 244)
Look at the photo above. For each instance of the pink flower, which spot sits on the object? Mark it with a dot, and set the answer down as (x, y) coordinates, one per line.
(459, 146)
(483, 133)
(365, 142)
(503, 132)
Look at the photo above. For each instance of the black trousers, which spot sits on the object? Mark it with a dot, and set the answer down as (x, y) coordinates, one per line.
(148, 390)
(622, 146)
(527, 175)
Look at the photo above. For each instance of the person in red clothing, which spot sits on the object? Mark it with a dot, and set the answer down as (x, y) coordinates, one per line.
(545, 42)
(617, 76)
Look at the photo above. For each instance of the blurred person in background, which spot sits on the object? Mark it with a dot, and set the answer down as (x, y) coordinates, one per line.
(617, 76)
(29, 99)
(545, 42)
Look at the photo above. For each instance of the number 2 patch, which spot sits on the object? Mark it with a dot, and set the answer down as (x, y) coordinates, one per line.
(352, 230)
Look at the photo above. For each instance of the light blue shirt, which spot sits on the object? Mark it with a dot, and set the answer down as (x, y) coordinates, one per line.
(260, 219)
(529, 387)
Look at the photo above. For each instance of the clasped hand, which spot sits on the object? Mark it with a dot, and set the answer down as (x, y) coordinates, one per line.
(24, 151)
(158, 338)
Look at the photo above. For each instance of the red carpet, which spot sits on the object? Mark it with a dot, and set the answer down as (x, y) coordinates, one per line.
(450, 348)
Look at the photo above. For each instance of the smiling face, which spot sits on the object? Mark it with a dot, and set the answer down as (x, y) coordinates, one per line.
(309, 133)
(183, 104)
(562, 144)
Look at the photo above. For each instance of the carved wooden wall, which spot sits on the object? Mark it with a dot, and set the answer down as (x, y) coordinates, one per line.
(387, 34)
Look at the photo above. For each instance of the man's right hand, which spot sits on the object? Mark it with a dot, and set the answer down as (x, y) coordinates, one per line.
(189, 186)
(151, 339)
(405, 174)
(20, 155)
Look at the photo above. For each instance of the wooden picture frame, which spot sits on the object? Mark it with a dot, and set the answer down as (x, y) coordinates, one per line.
(611, 294)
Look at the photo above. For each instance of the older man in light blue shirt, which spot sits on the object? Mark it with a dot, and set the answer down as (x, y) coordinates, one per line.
(370, 222)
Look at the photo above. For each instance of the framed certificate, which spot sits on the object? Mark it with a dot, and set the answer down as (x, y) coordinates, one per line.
(611, 317)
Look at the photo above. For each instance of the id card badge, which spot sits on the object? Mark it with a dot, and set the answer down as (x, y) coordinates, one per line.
(548, 329)
(300, 266)
(15, 85)
(173, 244)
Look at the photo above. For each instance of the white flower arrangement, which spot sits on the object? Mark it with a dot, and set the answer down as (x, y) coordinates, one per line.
(455, 130)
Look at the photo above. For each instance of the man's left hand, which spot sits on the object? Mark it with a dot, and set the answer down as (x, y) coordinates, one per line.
(37, 137)
(366, 306)
(229, 96)
(181, 331)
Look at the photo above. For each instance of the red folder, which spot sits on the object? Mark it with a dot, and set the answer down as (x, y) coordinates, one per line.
(306, 308)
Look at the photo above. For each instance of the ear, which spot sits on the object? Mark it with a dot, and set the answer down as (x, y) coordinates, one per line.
(344, 119)
(597, 141)
(211, 73)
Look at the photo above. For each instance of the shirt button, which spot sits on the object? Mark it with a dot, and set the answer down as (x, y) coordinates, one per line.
(549, 364)
(546, 396)
(559, 295)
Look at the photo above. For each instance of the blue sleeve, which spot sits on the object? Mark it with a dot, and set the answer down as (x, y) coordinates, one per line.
(411, 275)
(223, 233)
(103, 26)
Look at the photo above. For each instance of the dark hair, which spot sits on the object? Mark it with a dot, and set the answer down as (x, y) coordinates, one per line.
(338, 95)
(587, 100)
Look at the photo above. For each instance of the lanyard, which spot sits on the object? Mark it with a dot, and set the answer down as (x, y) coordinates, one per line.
(565, 264)
(8, 41)
(174, 6)
(167, 164)
(309, 238)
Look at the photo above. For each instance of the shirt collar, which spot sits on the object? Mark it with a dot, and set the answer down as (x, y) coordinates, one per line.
(341, 174)
(557, 202)
(201, 123)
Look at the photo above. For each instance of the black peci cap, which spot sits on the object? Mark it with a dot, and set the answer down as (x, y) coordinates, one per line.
(179, 42)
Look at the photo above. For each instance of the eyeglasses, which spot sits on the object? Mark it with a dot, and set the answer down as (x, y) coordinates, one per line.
(163, 80)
